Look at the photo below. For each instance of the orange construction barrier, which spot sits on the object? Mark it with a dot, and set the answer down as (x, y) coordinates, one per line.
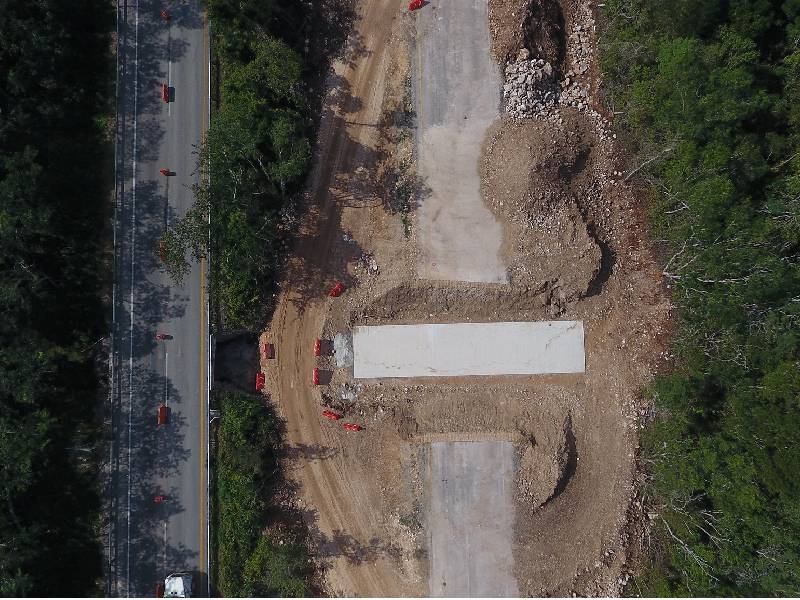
(336, 290)
(161, 417)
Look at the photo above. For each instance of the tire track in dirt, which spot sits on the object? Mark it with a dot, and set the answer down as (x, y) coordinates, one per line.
(342, 517)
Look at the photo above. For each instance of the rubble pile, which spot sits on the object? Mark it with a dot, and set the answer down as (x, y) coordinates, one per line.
(579, 54)
(531, 87)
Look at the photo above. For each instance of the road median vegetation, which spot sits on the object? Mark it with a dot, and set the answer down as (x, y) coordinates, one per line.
(708, 101)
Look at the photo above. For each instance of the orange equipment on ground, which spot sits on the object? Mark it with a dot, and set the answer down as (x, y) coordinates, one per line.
(416, 4)
(336, 290)
(352, 426)
(331, 415)
(260, 380)
(317, 347)
(315, 376)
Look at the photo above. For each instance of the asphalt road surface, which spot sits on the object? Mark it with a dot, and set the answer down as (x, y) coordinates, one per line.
(148, 540)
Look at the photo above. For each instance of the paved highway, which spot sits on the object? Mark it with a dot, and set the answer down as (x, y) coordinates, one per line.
(148, 540)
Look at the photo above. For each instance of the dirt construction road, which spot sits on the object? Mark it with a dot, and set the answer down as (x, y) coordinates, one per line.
(341, 513)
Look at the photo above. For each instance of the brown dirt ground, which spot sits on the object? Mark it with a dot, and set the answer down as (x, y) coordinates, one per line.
(575, 249)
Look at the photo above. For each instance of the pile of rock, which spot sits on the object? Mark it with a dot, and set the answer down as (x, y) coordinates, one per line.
(531, 87)
(573, 93)
(579, 53)
(580, 48)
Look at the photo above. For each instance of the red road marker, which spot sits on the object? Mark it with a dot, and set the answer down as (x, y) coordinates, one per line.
(336, 290)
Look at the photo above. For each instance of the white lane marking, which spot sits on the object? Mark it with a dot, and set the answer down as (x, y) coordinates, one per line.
(112, 584)
(208, 351)
(165, 549)
(166, 380)
(169, 84)
(133, 263)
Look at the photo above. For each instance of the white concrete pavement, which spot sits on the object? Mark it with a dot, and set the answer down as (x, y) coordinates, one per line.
(463, 349)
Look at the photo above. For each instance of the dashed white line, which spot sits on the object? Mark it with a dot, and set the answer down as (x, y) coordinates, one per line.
(166, 378)
(128, 584)
(169, 84)
(165, 548)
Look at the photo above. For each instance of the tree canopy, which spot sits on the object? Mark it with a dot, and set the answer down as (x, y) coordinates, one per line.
(708, 92)
(55, 76)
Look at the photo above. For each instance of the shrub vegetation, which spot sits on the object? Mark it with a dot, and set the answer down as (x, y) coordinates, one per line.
(249, 562)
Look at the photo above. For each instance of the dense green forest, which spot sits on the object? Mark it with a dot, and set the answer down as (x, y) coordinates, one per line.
(708, 102)
(56, 94)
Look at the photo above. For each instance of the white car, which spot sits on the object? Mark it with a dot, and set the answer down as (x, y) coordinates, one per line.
(179, 585)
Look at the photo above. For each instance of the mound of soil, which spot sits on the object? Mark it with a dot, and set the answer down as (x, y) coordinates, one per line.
(536, 25)
(532, 175)
(546, 464)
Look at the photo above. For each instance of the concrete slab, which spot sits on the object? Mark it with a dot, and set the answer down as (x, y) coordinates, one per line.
(470, 519)
(458, 96)
(442, 350)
